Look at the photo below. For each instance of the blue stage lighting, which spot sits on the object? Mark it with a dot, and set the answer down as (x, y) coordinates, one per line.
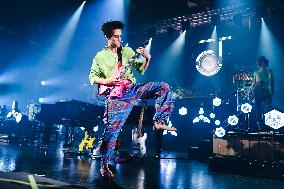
(206, 120)
(201, 111)
(233, 120)
(182, 111)
(220, 132)
(246, 108)
(217, 122)
(41, 100)
(274, 119)
(212, 115)
(96, 128)
(196, 120)
(201, 117)
(217, 101)
(43, 83)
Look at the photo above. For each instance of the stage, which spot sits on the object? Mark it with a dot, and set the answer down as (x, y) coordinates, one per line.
(173, 170)
(194, 94)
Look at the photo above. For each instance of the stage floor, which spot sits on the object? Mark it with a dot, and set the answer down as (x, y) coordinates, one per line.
(167, 173)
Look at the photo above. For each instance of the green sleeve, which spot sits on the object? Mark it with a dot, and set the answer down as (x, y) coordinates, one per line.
(95, 72)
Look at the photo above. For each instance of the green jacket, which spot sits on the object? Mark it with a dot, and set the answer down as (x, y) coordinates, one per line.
(105, 63)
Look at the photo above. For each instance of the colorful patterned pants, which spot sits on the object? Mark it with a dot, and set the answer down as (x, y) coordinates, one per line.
(118, 109)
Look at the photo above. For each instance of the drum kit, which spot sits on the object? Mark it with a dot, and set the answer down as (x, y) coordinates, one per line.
(243, 81)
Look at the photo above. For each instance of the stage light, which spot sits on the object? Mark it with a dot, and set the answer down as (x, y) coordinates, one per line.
(217, 122)
(201, 117)
(207, 63)
(196, 120)
(274, 119)
(182, 111)
(41, 100)
(201, 111)
(206, 120)
(220, 132)
(217, 101)
(246, 108)
(233, 120)
(96, 128)
(212, 115)
(43, 83)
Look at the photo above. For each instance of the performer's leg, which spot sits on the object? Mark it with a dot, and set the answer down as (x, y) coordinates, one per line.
(117, 112)
(164, 101)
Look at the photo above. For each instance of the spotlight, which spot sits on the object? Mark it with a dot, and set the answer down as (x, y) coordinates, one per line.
(201, 117)
(220, 132)
(274, 119)
(246, 108)
(201, 111)
(43, 83)
(212, 115)
(96, 128)
(41, 100)
(217, 101)
(206, 120)
(217, 122)
(196, 120)
(233, 120)
(182, 111)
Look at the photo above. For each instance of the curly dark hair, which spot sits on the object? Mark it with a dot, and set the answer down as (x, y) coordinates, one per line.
(262, 62)
(109, 26)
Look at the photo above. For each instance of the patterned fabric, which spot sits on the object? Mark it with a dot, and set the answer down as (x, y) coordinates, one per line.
(118, 109)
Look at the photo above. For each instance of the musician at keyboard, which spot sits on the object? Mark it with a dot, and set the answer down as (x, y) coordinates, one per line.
(112, 71)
